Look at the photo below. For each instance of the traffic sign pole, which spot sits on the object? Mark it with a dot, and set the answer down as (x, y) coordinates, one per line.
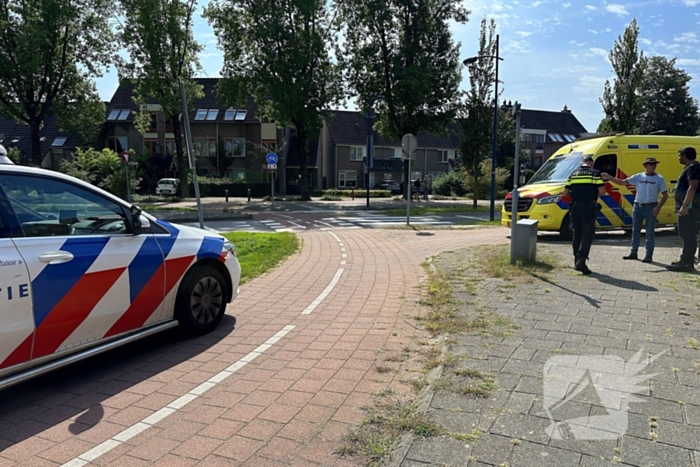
(125, 157)
(409, 143)
(272, 159)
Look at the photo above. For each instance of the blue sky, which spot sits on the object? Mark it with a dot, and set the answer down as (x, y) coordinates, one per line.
(555, 53)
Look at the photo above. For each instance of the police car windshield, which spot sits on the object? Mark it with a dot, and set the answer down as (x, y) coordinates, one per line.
(557, 169)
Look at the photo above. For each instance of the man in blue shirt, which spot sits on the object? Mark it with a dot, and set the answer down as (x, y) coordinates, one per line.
(648, 186)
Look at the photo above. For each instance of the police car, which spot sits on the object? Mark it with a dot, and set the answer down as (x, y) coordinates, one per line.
(82, 272)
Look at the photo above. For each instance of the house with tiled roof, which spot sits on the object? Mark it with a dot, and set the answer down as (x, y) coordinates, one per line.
(344, 148)
(227, 141)
(543, 132)
(55, 144)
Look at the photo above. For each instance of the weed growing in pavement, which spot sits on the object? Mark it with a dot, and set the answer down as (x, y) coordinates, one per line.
(386, 421)
(494, 261)
(692, 343)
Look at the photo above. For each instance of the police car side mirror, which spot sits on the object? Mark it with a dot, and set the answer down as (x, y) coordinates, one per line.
(139, 223)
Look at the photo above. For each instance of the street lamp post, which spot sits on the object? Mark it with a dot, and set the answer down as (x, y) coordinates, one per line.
(370, 141)
(468, 61)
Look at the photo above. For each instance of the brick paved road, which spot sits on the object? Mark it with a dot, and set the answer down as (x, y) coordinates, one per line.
(289, 381)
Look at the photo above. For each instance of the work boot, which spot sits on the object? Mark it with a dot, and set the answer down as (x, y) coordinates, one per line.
(647, 259)
(631, 256)
(681, 267)
(581, 266)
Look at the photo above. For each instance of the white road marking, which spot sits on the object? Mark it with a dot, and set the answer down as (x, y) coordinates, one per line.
(329, 288)
(298, 225)
(134, 430)
(472, 217)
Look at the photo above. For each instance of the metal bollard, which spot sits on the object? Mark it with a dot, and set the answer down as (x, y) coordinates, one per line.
(249, 195)
(226, 192)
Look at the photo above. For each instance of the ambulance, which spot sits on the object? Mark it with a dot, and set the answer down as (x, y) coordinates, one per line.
(83, 272)
(619, 155)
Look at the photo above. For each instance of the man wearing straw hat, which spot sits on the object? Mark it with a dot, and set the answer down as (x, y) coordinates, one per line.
(648, 185)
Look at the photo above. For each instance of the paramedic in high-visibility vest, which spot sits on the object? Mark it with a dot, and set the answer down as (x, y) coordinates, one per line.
(688, 208)
(583, 188)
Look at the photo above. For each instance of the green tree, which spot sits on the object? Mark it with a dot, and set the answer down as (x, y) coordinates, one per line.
(622, 101)
(403, 50)
(279, 52)
(666, 103)
(158, 37)
(49, 52)
(100, 168)
(475, 117)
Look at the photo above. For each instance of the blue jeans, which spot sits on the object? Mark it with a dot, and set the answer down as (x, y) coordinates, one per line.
(642, 213)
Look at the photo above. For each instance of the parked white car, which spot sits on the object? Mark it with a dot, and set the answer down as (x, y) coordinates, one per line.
(167, 186)
(82, 272)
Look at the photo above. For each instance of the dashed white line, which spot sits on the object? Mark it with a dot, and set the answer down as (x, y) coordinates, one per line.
(134, 430)
(323, 294)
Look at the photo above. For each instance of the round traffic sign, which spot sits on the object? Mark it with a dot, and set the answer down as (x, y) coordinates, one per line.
(271, 158)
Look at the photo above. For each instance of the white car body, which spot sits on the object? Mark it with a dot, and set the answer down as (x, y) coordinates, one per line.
(167, 186)
(74, 284)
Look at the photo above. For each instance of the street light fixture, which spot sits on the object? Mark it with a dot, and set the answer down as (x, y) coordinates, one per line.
(370, 141)
(469, 61)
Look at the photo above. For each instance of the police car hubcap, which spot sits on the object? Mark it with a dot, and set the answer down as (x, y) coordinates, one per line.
(206, 300)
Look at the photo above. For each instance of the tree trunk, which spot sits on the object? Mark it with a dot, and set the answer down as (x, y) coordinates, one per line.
(182, 162)
(303, 150)
(34, 126)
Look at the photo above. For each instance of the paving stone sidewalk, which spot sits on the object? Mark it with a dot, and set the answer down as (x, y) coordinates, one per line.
(623, 308)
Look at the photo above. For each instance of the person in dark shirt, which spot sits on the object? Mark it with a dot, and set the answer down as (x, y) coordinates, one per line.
(583, 188)
(688, 208)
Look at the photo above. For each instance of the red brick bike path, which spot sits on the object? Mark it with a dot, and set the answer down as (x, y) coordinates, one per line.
(289, 406)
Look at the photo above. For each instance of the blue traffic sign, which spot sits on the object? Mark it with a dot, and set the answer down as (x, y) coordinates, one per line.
(271, 158)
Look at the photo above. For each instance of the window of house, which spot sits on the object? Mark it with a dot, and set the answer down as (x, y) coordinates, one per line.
(201, 147)
(240, 115)
(397, 153)
(442, 156)
(124, 114)
(117, 144)
(228, 147)
(570, 138)
(153, 126)
(212, 147)
(539, 141)
(347, 178)
(238, 147)
(59, 141)
(237, 175)
(356, 153)
(230, 114)
(526, 138)
(212, 114)
(113, 114)
(170, 147)
(269, 146)
(201, 114)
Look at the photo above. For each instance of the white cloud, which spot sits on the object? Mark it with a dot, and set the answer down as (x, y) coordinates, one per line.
(578, 44)
(590, 84)
(616, 9)
(566, 5)
(597, 52)
(687, 37)
(590, 7)
(535, 4)
(519, 47)
(645, 41)
(523, 33)
(691, 2)
(688, 62)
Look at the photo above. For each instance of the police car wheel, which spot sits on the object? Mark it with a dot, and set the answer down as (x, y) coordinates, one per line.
(201, 301)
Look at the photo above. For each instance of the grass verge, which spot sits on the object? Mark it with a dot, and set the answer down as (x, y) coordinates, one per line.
(419, 210)
(260, 252)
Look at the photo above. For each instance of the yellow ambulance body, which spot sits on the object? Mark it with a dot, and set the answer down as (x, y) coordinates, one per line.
(620, 156)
